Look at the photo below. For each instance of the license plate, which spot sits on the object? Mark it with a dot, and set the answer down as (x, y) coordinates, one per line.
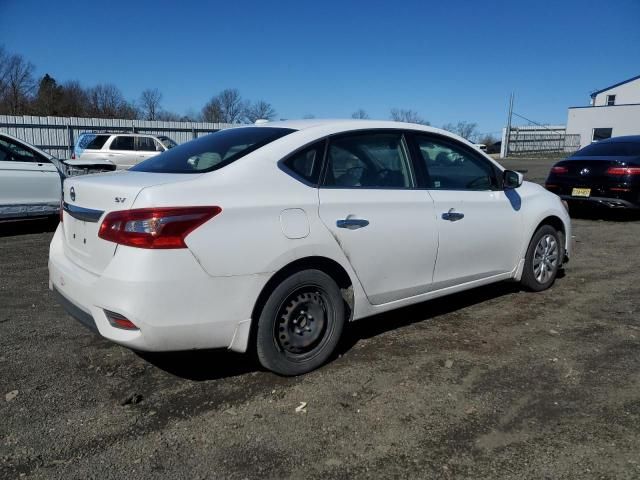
(581, 192)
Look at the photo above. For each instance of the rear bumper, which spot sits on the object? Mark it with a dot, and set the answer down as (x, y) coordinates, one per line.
(175, 304)
(76, 312)
(617, 203)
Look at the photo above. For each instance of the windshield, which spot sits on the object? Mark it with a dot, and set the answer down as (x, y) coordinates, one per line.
(213, 151)
(611, 149)
(167, 142)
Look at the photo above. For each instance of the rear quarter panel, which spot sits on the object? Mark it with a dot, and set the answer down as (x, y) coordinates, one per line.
(247, 237)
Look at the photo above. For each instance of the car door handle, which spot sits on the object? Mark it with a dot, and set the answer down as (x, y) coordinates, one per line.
(452, 215)
(352, 223)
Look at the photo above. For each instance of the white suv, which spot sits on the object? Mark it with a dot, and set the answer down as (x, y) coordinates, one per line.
(123, 149)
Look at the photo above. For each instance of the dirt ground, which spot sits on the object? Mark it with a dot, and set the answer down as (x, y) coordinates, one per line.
(491, 383)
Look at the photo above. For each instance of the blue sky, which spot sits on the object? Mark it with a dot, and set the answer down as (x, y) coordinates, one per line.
(450, 61)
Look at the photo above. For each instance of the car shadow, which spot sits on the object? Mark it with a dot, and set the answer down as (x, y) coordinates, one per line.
(204, 365)
(402, 317)
(29, 226)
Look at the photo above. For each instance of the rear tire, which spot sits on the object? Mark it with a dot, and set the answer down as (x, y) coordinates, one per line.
(300, 324)
(543, 260)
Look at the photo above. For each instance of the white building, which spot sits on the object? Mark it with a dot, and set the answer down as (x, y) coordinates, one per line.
(613, 111)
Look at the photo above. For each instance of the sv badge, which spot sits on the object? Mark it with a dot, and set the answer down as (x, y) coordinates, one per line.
(120, 199)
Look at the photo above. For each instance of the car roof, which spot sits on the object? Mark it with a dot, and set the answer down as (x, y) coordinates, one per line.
(345, 125)
(623, 139)
(129, 134)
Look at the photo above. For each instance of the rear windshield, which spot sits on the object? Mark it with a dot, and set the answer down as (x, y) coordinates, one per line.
(613, 149)
(91, 141)
(213, 151)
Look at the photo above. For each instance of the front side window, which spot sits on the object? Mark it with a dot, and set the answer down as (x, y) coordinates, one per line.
(307, 163)
(371, 160)
(213, 151)
(122, 142)
(14, 152)
(167, 142)
(611, 100)
(452, 167)
(601, 134)
(146, 144)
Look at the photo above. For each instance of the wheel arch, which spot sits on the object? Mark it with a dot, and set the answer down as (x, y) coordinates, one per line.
(324, 264)
(552, 220)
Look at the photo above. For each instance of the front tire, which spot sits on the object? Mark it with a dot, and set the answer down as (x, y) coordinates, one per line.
(300, 324)
(543, 259)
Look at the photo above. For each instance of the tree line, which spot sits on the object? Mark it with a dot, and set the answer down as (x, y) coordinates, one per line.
(22, 93)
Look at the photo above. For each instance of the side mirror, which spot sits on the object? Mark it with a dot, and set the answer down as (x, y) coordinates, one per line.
(511, 179)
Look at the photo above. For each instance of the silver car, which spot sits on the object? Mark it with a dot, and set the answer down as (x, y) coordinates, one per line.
(30, 179)
(124, 150)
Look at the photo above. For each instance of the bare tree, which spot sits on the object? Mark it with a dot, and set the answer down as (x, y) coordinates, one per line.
(409, 116)
(167, 116)
(212, 111)
(487, 139)
(226, 107)
(360, 113)
(73, 99)
(259, 110)
(150, 103)
(4, 58)
(468, 130)
(16, 84)
(107, 101)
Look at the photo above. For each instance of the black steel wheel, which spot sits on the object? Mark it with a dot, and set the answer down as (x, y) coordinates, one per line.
(300, 324)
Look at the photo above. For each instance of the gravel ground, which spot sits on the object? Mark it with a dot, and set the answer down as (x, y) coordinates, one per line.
(491, 383)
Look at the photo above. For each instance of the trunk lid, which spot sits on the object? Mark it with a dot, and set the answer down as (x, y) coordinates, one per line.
(588, 169)
(87, 199)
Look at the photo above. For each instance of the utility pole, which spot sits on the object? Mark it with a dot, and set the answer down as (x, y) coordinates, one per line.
(508, 131)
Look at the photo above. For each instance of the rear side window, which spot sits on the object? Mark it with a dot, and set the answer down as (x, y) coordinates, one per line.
(307, 163)
(372, 160)
(213, 151)
(122, 143)
(92, 142)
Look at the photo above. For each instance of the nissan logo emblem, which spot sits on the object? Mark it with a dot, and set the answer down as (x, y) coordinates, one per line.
(72, 193)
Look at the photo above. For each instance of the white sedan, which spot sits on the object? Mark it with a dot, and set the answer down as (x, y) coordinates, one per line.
(271, 237)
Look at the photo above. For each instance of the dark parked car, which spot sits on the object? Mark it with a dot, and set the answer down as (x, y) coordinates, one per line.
(605, 173)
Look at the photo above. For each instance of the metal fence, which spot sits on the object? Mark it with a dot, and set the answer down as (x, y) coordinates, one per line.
(538, 140)
(57, 135)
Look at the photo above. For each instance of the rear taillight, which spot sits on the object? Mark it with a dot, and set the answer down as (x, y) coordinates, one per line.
(559, 170)
(621, 171)
(154, 227)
